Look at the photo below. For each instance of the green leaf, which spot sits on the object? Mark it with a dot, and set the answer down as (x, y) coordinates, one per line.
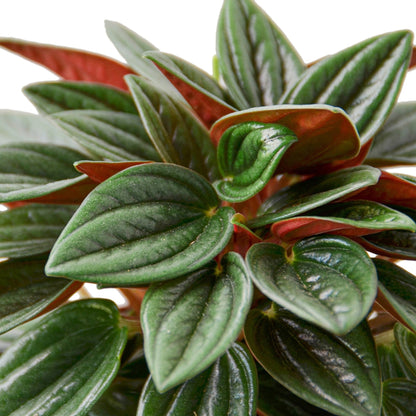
(391, 363)
(109, 135)
(399, 289)
(175, 131)
(30, 170)
(325, 134)
(328, 281)
(17, 126)
(147, 223)
(227, 388)
(203, 93)
(256, 60)
(338, 374)
(207, 309)
(312, 193)
(25, 291)
(364, 80)
(54, 97)
(248, 155)
(353, 218)
(32, 229)
(276, 400)
(406, 343)
(77, 346)
(395, 143)
(399, 397)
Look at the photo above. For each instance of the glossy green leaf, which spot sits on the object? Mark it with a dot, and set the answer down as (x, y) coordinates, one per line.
(147, 223)
(203, 93)
(328, 281)
(256, 60)
(175, 131)
(338, 374)
(32, 229)
(406, 343)
(364, 80)
(30, 170)
(207, 309)
(399, 398)
(227, 388)
(353, 218)
(25, 291)
(108, 135)
(312, 193)
(399, 289)
(53, 97)
(276, 400)
(248, 155)
(395, 143)
(70, 355)
(392, 364)
(325, 134)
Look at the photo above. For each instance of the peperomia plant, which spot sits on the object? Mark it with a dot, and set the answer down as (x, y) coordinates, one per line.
(249, 219)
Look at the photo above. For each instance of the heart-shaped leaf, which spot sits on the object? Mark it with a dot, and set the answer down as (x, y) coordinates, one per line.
(329, 281)
(71, 64)
(203, 93)
(32, 229)
(364, 80)
(208, 308)
(73, 353)
(398, 288)
(338, 374)
(30, 170)
(312, 193)
(353, 218)
(175, 131)
(248, 155)
(108, 135)
(399, 397)
(231, 380)
(392, 364)
(256, 60)
(147, 223)
(406, 343)
(324, 133)
(25, 291)
(394, 144)
(53, 97)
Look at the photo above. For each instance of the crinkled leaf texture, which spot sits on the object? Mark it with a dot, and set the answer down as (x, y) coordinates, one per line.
(147, 223)
(338, 374)
(64, 362)
(327, 280)
(399, 397)
(207, 309)
(227, 388)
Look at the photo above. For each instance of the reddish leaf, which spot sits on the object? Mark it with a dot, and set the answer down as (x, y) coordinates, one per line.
(412, 62)
(101, 171)
(325, 134)
(390, 189)
(71, 64)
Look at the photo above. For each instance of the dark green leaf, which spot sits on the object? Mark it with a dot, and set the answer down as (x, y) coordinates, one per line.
(256, 60)
(30, 170)
(248, 155)
(338, 374)
(25, 291)
(395, 143)
(227, 388)
(147, 223)
(399, 397)
(53, 97)
(70, 355)
(312, 193)
(207, 309)
(391, 362)
(364, 80)
(406, 343)
(32, 229)
(175, 131)
(328, 281)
